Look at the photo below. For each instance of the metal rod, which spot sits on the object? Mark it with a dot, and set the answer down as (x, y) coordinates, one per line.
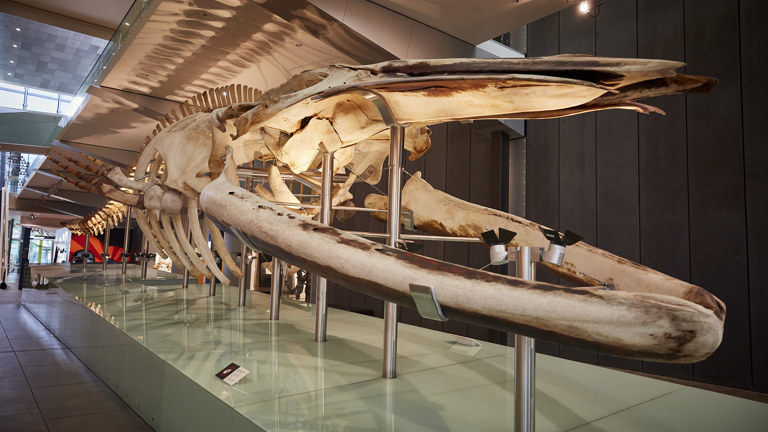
(525, 356)
(105, 255)
(4, 236)
(242, 288)
(185, 276)
(212, 287)
(126, 239)
(425, 237)
(396, 141)
(274, 294)
(360, 209)
(321, 308)
(145, 262)
(85, 251)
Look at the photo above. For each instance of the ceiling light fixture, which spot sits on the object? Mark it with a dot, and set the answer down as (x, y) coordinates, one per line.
(15, 46)
(12, 62)
(18, 29)
(591, 7)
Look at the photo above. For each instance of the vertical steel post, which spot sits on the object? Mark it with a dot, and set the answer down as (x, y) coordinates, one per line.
(4, 236)
(126, 238)
(145, 261)
(185, 277)
(525, 356)
(242, 287)
(396, 141)
(105, 255)
(321, 308)
(274, 293)
(85, 251)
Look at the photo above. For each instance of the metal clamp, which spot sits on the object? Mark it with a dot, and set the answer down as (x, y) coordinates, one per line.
(426, 302)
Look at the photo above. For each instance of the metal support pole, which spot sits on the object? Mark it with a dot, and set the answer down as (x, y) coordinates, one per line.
(126, 238)
(321, 308)
(4, 227)
(212, 287)
(274, 294)
(105, 255)
(85, 251)
(185, 277)
(145, 261)
(242, 287)
(525, 356)
(396, 141)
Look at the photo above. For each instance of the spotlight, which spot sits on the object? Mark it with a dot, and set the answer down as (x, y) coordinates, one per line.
(498, 244)
(591, 7)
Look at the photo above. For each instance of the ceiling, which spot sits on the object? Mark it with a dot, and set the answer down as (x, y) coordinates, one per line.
(183, 47)
(474, 21)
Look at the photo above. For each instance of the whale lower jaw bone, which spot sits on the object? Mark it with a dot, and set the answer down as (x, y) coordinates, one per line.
(633, 325)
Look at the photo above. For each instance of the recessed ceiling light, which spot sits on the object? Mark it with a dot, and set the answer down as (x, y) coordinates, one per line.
(18, 29)
(9, 74)
(15, 46)
(12, 62)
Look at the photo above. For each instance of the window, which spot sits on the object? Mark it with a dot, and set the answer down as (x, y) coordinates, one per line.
(12, 96)
(42, 101)
(23, 98)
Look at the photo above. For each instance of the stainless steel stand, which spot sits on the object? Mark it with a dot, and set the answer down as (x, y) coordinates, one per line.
(274, 294)
(105, 255)
(85, 251)
(4, 253)
(212, 287)
(242, 288)
(321, 307)
(145, 261)
(185, 276)
(126, 239)
(525, 355)
(396, 141)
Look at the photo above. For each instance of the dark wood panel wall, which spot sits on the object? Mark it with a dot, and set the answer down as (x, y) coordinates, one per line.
(683, 193)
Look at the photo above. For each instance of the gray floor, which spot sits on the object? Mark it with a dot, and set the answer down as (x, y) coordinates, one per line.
(44, 387)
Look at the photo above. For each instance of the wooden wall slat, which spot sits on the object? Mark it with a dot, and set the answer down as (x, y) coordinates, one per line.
(618, 220)
(754, 62)
(457, 184)
(578, 209)
(663, 165)
(542, 155)
(577, 155)
(435, 174)
(716, 184)
(482, 184)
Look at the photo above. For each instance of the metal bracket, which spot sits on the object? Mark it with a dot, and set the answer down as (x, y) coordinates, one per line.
(426, 302)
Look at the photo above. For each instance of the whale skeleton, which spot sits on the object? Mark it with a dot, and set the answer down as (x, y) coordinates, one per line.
(190, 162)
